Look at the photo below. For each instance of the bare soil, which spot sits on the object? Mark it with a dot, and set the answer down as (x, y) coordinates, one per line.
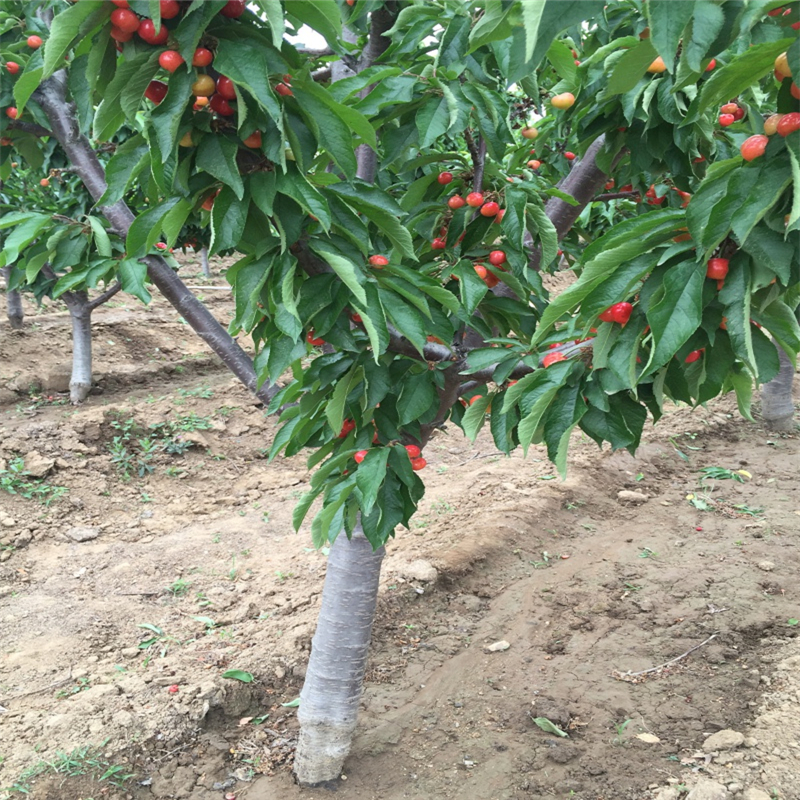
(584, 587)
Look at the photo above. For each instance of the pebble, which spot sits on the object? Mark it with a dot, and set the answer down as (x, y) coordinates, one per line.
(82, 534)
(766, 566)
(723, 740)
(633, 498)
(755, 794)
(708, 790)
(420, 570)
(498, 647)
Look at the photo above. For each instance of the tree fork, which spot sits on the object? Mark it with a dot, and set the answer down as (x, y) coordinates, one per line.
(51, 96)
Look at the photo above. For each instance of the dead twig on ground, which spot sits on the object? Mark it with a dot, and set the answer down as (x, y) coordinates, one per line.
(629, 676)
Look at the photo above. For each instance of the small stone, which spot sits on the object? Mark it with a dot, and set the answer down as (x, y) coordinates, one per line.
(632, 498)
(420, 570)
(766, 566)
(708, 790)
(755, 794)
(648, 738)
(723, 740)
(7, 522)
(57, 379)
(497, 647)
(83, 534)
(668, 793)
(37, 465)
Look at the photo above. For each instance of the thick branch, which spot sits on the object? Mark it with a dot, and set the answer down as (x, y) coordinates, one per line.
(616, 196)
(51, 95)
(29, 127)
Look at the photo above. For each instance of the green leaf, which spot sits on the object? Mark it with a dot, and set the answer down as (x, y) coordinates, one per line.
(369, 476)
(238, 675)
(146, 229)
(274, 13)
(433, 120)
(540, 392)
(548, 236)
(560, 56)
(262, 190)
(292, 703)
(29, 226)
(28, 82)
(475, 416)
(629, 69)
(769, 249)
(101, 240)
(132, 274)
(217, 156)
(228, 218)
(109, 115)
(293, 184)
(334, 410)
(166, 117)
(322, 16)
(549, 727)
(416, 397)
(347, 271)
(707, 22)
(667, 22)
(65, 28)
(678, 314)
(128, 161)
(245, 62)
(531, 17)
(408, 321)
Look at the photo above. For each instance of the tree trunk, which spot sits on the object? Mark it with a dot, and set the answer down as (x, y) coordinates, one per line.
(777, 407)
(332, 690)
(203, 255)
(80, 383)
(13, 302)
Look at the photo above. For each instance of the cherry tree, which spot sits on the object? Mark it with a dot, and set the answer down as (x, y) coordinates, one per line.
(394, 225)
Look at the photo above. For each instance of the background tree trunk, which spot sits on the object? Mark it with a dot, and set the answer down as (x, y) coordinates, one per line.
(332, 690)
(13, 302)
(203, 256)
(777, 407)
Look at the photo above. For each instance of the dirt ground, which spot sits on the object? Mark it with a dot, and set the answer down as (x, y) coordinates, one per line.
(125, 600)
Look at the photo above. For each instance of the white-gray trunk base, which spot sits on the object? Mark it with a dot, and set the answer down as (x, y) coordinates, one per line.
(332, 690)
(203, 255)
(777, 408)
(80, 383)
(14, 310)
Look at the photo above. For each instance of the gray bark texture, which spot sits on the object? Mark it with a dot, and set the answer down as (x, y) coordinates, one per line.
(14, 310)
(777, 408)
(51, 96)
(331, 693)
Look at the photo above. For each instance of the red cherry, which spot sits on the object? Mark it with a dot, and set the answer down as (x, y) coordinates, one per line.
(552, 358)
(12, 67)
(500, 214)
(283, 90)
(170, 60)
(156, 91)
(120, 36)
(208, 203)
(120, 3)
(125, 20)
(312, 338)
(475, 199)
(490, 209)
(717, 268)
(569, 156)
(726, 119)
(378, 261)
(789, 123)
(491, 280)
(360, 456)
(729, 108)
(413, 451)
(202, 57)
(711, 64)
(347, 426)
(695, 355)
(356, 318)
(225, 88)
(438, 244)
(497, 257)
(444, 178)
(754, 146)
(418, 463)
(169, 9)
(738, 114)
(287, 79)
(481, 271)
(147, 31)
(233, 9)
(776, 12)
(174, 689)
(34, 42)
(253, 140)
(456, 201)
(221, 106)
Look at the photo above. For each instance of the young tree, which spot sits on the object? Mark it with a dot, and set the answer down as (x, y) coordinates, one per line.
(384, 199)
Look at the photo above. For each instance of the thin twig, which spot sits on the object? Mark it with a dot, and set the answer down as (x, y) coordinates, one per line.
(625, 675)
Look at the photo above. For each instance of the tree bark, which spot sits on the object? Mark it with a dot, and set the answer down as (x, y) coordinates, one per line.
(331, 693)
(777, 407)
(80, 383)
(51, 96)
(203, 256)
(14, 310)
